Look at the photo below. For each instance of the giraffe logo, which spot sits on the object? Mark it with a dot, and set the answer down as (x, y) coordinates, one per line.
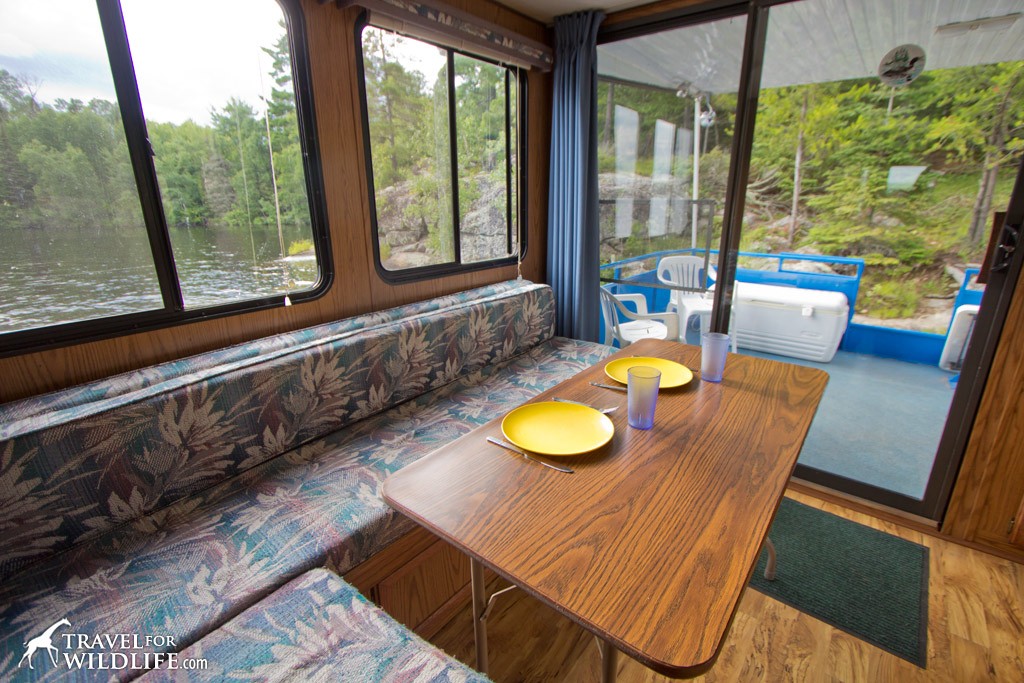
(44, 641)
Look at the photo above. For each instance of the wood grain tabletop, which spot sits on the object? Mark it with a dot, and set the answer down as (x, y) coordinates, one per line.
(651, 542)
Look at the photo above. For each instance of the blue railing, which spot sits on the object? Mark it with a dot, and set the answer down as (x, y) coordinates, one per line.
(657, 299)
(905, 345)
(967, 294)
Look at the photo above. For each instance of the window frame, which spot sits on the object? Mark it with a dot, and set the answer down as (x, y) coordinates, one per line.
(141, 156)
(457, 265)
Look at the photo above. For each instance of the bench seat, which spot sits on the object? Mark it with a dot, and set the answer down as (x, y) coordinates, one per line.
(317, 627)
(192, 566)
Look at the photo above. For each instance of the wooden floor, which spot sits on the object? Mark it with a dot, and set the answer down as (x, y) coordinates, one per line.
(975, 631)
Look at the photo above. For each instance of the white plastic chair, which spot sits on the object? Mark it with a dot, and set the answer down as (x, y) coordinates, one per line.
(639, 325)
(685, 271)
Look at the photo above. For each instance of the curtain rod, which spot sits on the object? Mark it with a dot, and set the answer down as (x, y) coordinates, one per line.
(438, 18)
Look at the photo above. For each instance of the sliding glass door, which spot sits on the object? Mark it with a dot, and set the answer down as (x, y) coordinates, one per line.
(880, 134)
(870, 147)
(666, 122)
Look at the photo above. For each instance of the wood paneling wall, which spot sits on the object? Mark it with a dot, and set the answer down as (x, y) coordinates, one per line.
(648, 12)
(357, 288)
(990, 487)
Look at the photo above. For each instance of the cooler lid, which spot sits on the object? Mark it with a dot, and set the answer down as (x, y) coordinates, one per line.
(821, 300)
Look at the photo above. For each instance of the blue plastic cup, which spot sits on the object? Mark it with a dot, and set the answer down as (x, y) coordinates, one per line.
(714, 348)
(642, 395)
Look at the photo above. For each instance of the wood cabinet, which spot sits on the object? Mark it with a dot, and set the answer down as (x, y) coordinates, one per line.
(425, 591)
(419, 580)
(989, 491)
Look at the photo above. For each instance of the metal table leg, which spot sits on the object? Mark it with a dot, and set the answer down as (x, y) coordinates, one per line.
(476, 578)
(609, 657)
(769, 568)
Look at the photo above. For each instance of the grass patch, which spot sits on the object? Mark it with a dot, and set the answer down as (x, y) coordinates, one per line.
(892, 299)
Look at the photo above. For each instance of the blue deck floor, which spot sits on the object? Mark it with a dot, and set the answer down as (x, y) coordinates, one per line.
(879, 421)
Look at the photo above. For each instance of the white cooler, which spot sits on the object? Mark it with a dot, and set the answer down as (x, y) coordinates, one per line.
(787, 321)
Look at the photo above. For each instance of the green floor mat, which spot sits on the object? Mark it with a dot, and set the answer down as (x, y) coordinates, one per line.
(870, 584)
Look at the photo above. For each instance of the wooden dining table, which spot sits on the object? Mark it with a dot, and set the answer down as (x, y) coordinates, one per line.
(650, 542)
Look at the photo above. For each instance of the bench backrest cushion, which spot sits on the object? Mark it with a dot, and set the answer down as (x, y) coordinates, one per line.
(185, 370)
(69, 474)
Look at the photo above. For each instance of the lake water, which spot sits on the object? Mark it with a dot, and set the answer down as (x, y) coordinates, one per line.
(49, 277)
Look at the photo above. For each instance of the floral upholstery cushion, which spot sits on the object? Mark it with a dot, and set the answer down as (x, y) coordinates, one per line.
(71, 474)
(192, 566)
(187, 369)
(318, 628)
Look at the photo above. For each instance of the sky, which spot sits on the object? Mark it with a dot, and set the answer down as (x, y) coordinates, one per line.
(189, 55)
(416, 55)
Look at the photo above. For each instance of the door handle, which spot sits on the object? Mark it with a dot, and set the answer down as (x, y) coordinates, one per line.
(1007, 245)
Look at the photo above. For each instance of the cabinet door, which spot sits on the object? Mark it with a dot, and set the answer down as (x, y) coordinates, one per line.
(990, 486)
(422, 594)
(419, 580)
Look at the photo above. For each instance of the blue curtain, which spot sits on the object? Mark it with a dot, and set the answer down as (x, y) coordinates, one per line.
(573, 230)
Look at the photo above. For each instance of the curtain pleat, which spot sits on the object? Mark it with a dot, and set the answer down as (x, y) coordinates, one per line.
(573, 229)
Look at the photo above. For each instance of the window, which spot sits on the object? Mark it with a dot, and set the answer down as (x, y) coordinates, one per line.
(145, 181)
(443, 131)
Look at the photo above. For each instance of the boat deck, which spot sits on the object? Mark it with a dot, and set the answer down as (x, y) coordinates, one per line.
(879, 422)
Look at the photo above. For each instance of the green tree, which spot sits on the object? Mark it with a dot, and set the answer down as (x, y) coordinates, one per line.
(77, 164)
(67, 191)
(66, 163)
(398, 103)
(650, 104)
(480, 126)
(181, 152)
(15, 183)
(240, 139)
(983, 124)
(220, 195)
(846, 140)
(433, 189)
(480, 114)
(284, 135)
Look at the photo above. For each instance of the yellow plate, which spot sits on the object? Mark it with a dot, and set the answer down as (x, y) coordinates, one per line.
(554, 428)
(672, 374)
